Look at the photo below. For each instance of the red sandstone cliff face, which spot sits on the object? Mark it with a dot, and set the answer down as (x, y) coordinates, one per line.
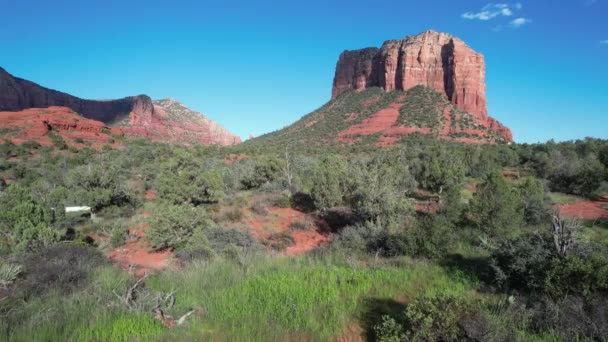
(436, 60)
(170, 121)
(137, 115)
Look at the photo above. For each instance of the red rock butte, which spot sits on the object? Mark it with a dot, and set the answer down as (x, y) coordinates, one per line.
(436, 60)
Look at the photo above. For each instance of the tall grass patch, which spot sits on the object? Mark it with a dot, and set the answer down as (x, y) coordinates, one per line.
(282, 298)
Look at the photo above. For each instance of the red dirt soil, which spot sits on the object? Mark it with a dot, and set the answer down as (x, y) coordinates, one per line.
(427, 207)
(382, 120)
(149, 195)
(37, 123)
(232, 158)
(588, 210)
(138, 256)
(278, 220)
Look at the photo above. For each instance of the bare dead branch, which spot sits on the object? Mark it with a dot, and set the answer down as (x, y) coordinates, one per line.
(182, 319)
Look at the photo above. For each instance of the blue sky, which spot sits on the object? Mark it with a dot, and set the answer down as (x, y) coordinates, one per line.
(256, 66)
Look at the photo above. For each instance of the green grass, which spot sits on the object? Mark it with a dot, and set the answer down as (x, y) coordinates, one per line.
(57, 317)
(282, 298)
(261, 299)
(561, 198)
(121, 326)
(596, 231)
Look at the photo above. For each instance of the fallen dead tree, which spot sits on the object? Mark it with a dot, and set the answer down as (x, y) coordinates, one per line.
(139, 298)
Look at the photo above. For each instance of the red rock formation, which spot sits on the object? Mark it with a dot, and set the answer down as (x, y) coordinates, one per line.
(175, 122)
(37, 123)
(137, 115)
(436, 60)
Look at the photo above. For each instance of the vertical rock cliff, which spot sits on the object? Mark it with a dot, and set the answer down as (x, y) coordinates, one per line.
(436, 60)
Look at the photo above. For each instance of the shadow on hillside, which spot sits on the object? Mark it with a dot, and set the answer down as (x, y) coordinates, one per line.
(303, 202)
(338, 218)
(375, 308)
(477, 267)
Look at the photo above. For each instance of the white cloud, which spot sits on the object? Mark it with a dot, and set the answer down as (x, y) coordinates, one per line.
(604, 42)
(491, 11)
(519, 22)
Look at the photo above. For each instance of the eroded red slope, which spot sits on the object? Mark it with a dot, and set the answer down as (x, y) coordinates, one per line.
(39, 124)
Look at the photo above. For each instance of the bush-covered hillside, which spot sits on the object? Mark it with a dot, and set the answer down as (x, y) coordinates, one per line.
(427, 240)
(418, 108)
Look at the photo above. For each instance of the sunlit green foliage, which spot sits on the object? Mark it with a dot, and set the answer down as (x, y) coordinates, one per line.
(496, 208)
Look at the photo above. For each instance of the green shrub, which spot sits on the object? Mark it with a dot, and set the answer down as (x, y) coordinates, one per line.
(436, 318)
(389, 330)
(581, 273)
(234, 215)
(302, 224)
(9, 273)
(329, 182)
(197, 248)
(190, 185)
(522, 263)
(220, 238)
(379, 188)
(266, 170)
(280, 201)
(60, 268)
(26, 222)
(572, 318)
(496, 208)
(363, 237)
(118, 235)
(533, 264)
(58, 141)
(259, 208)
(31, 145)
(172, 225)
(279, 241)
(535, 201)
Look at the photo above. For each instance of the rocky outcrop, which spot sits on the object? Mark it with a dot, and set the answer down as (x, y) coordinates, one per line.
(39, 124)
(437, 60)
(137, 115)
(173, 121)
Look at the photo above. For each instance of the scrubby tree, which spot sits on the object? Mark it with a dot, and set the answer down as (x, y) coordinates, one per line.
(266, 170)
(496, 208)
(379, 188)
(603, 155)
(329, 182)
(172, 226)
(24, 222)
(535, 202)
(441, 169)
(98, 185)
(195, 186)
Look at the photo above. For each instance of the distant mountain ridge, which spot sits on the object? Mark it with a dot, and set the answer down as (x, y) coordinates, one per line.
(138, 115)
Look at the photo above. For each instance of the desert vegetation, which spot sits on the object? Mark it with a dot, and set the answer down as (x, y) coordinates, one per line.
(428, 240)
